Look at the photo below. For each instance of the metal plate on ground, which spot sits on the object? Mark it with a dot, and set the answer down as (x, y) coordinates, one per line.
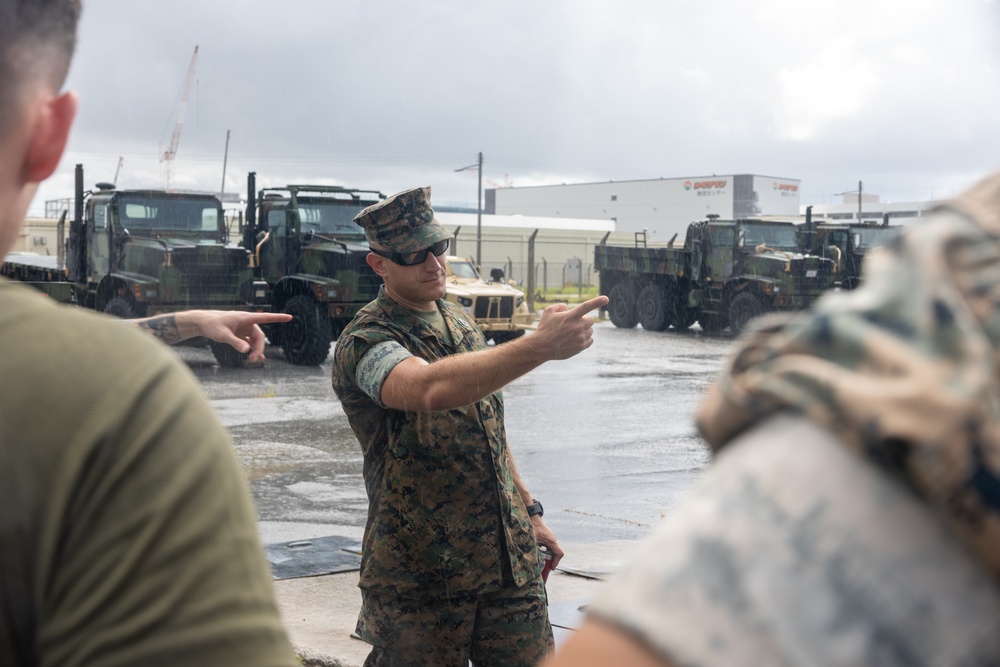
(313, 557)
(587, 573)
(568, 614)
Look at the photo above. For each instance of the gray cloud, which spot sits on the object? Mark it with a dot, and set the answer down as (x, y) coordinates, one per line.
(388, 93)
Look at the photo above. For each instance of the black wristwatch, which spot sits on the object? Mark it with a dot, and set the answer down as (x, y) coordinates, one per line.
(535, 508)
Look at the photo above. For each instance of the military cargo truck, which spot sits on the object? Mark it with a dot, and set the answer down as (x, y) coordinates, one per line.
(311, 256)
(727, 273)
(497, 307)
(846, 244)
(132, 253)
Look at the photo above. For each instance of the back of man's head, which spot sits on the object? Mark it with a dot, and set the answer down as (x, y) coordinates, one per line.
(37, 38)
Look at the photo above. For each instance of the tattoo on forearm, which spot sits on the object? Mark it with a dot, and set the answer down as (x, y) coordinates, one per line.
(163, 327)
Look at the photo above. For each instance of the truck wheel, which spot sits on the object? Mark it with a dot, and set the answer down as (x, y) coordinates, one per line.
(121, 306)
(712, 324)
(621, 306)
(273, 333)
(228, 356)
(306, 339)
(652, 307)
(683, 317)
(743, 308)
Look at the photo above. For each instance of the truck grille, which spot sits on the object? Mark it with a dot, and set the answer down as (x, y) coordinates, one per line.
(494, 307)
(209, 277)
(368, 281)
(811, 274)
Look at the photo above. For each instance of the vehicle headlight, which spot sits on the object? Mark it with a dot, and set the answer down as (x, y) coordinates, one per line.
(465, 301)
(518, 302)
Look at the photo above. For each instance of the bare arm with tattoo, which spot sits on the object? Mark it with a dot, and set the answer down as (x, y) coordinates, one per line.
(233, 327)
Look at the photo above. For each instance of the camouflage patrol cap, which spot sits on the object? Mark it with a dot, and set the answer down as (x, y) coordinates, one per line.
(404, 222)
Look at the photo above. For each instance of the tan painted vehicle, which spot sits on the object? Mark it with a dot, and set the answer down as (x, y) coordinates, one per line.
(498, 308)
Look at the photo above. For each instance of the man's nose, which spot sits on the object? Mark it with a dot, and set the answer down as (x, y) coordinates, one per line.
(437, 262)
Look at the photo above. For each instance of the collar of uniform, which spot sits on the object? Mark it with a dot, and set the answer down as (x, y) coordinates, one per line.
(398, 313)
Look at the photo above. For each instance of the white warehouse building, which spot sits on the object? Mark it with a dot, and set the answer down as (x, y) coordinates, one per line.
(871, 209)
(660, 207)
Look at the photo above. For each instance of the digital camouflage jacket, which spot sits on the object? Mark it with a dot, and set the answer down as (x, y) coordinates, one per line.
(904, 370)
(444, 517)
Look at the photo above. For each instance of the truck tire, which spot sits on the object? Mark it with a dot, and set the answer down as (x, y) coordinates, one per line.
(621, 306)
(743, 308)
(652, 308)
(683, 317)
(228, 356)
(306, 339)
(711, 323)
(121, 306)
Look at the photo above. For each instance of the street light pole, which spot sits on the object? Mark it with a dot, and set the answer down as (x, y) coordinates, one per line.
(479, 208)
(851, 192)
(479, 214)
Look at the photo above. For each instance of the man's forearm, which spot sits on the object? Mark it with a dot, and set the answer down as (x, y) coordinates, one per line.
(458, 380)
(164, 327)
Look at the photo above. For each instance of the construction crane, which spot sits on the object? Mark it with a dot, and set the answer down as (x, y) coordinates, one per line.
(171, 151)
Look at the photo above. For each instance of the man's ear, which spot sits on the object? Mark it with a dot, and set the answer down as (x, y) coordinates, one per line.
(376, 262)
(49, 134)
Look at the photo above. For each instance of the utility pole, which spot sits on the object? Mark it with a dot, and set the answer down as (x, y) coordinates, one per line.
(859, 201)
(225, 158)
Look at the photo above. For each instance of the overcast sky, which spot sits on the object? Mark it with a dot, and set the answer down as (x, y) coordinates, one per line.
(903, 95)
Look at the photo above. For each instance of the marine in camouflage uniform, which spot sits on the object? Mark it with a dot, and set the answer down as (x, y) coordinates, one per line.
(450, 566)
(852, 515)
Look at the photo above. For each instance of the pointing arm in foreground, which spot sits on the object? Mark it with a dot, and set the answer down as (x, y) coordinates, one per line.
(237, 328)
(461, 379)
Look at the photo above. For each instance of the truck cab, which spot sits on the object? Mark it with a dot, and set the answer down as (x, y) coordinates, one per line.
(847, 244)
(132, 253)
(743, 268)
(310, 254)
(138, 251)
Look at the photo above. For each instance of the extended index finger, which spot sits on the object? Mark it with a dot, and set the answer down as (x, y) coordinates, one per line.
(268, 318)
(587, 306)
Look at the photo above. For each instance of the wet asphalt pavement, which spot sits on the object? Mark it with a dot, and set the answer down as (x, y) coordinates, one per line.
(606, 440)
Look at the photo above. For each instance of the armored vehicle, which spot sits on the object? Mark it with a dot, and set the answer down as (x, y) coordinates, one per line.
(727, 273)
(846, 244)
(311, 256)
(133, 253)
(497, 307)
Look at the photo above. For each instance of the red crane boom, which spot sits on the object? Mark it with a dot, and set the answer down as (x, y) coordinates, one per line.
(175, 139)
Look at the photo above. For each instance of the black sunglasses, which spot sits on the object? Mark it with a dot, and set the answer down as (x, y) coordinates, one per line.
(413, 258)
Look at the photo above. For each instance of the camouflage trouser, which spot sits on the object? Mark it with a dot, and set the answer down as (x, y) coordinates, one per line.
(506, 628)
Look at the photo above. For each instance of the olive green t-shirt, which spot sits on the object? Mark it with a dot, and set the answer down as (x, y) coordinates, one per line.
(127, 533)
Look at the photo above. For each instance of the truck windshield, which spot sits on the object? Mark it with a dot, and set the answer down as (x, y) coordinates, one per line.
(462, 269)
(138, 213)
(331, 217)
(773, 236)
(873, 237)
